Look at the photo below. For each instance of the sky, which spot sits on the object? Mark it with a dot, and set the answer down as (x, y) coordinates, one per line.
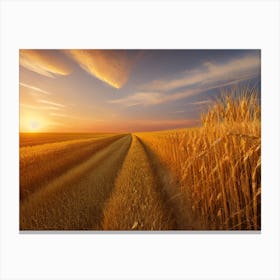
(126, 90)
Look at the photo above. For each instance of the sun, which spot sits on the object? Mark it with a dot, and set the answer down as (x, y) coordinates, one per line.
(30, 122)
(34, 125)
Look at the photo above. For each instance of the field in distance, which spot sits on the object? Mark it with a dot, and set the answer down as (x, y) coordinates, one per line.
(204, 178)
(31, 139)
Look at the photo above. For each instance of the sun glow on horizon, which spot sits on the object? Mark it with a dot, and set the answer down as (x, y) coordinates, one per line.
(33, 123)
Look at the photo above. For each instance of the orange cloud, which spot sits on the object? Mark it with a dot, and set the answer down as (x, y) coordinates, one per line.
(44, 62)
(111, 67)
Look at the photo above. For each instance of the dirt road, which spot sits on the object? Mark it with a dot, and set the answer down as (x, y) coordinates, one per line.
(137, 202)
(115, 189)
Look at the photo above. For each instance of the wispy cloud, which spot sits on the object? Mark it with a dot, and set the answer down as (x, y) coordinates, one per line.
(59, 115)
(45, 62)
(210, 73)
(153, 98)
(28, 106)
(33, 107)
(111, 67)
(34, 88)
(204, 102)
(208, 77)
(43, 101)
(140, 98)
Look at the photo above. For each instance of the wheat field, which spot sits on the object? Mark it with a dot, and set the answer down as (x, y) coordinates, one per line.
(217, 166)
(201, 178)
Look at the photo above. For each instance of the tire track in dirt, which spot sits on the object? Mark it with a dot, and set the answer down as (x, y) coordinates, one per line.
(174, 199)
(136, 203)
(75, 200)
